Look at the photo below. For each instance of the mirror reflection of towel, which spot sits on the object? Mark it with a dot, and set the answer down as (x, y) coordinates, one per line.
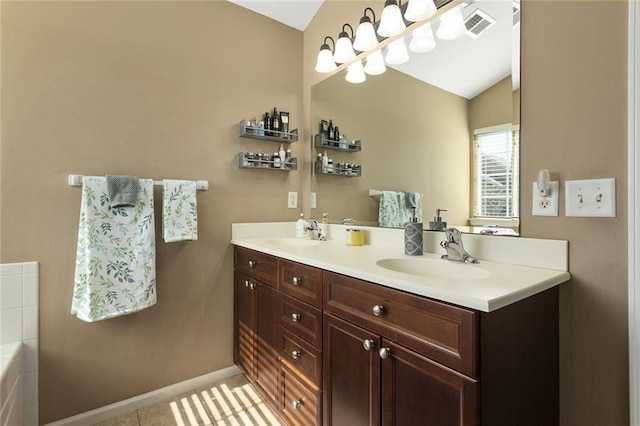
(395, 208)
(122, 190)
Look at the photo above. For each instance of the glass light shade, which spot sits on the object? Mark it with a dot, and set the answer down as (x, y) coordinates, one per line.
(325, 61)
(419, 10)
(344, 50)
(397, 52)
(391, 22)
(451, 25)
(355, 73)
(422, 39)
(375, 63)
(365, 37)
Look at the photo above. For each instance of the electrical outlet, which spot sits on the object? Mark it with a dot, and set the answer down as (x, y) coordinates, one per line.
(545, 206)
(313, 200)
(292, 200)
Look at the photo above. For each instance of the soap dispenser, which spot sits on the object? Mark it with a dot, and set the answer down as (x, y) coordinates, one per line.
(438, 224)
(413, 238)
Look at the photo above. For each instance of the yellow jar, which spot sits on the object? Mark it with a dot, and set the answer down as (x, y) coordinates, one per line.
(355, 237)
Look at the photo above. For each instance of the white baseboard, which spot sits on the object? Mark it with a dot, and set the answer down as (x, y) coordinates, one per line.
(146, 399)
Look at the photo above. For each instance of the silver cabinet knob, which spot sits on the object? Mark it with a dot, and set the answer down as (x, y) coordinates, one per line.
(296, 404)
(368, 344)
(378, 310)
(297, 281)
(252, 264)
(296, 354)
(249, 284)
(296, 317)
(384, 353)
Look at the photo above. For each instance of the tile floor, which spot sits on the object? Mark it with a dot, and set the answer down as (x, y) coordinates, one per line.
(232, 402)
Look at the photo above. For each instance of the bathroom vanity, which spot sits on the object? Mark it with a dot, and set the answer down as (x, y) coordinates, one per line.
(328, 336)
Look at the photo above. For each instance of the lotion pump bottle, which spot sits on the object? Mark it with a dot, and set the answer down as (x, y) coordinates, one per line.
(301, 227)
(438, 224)
(413, 236)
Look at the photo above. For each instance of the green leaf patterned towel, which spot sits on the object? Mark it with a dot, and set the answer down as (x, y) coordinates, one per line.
(394, 210)
(179, 211)
(116, 256)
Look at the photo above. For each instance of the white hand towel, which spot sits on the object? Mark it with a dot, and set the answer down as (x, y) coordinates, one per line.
(116, 257)
(179, 211)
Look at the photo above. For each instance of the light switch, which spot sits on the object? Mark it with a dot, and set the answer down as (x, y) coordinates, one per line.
(590, 197)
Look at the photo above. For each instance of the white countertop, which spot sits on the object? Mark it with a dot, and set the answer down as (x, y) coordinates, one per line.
(505, 283)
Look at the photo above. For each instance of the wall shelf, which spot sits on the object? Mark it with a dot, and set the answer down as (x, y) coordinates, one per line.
(353, 146)
(338, 171)
(245, 131)
(244, 162)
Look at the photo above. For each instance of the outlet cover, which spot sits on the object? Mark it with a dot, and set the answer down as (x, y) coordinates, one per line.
(590, 197)
(545, 206)
(292, 200)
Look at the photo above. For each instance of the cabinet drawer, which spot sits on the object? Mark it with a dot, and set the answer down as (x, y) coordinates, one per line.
(301, 281)
(299, 405)
(300, 356)
(302, 319)
(439, 331)
(257, 265)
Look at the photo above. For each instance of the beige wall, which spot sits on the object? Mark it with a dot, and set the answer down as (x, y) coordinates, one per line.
(412, 135)
(573, 122)
(154, 89)
(496, 105)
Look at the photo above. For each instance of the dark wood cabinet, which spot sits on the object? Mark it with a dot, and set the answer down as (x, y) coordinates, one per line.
(244, 325)
(267, 341)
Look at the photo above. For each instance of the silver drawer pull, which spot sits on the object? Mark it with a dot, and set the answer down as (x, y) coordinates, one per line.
(250, 285)
(252, 264)
(296, 354)
(296, 317)
(378, 310)
(297, 281)
(384, 353)
(368, 344)
(296, 404)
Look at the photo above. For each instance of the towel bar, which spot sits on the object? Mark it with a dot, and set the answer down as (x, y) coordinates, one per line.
(76, 180)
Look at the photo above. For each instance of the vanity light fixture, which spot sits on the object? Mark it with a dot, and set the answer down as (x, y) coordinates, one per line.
(397, 52)
(344, 49)
(355, 73)
(451, 25)
(422, 39)
(391, 22)
(366, 38)
(544, 183)
(375, 63)
(419, 10)
(325, 62)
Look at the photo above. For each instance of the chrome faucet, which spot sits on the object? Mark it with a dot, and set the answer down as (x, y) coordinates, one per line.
(454, 248)
(314, 229)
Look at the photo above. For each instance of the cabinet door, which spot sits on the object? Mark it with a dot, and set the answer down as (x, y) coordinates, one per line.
(419, 391)
(351, 374)
(244, 324)
(267, 341)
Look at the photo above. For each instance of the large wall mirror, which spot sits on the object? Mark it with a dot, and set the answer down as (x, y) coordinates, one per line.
(416, 123)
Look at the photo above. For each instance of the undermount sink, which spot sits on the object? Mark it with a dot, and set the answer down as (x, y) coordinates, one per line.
(292, 242)
(444, 269)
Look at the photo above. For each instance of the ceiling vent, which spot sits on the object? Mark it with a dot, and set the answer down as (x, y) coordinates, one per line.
(477, 23)
(516, 12)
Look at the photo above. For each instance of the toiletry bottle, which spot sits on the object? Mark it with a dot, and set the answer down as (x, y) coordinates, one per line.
(336, 134)
(275, 123)
(438, 224)
(323, 225)
(261, 128)
(331, 130)
(413, 236)
(287, 159)
(325, 162)
(267, 124)
(329, 165)
(301, 227)
(284, 124)
(276, 161)
(283, 156)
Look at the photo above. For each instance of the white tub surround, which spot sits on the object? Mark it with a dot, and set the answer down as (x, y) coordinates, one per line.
(19, 289)
(513, 268)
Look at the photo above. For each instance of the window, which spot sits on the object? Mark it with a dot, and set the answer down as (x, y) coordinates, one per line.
(496, 172)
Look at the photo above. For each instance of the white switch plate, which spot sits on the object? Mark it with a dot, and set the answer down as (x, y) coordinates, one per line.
(545, 206)
(590, 197)
(292, 200)
(312, 200)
